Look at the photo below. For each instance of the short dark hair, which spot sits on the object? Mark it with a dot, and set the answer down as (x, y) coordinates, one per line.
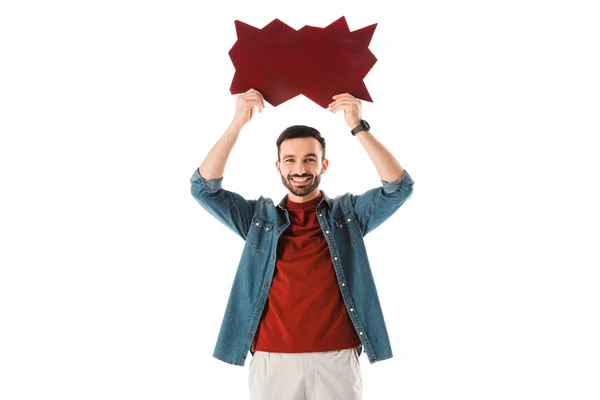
(300, 131)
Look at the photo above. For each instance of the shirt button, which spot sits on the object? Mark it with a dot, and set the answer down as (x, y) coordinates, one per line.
(257, 224)
(266, 285)
(266, 229)
(335, 258)
(349, 220)
(361, 333)
(326, 231)
(320, 215)
(343, 284)
(250, 335)
(258, 309)
(352, 309)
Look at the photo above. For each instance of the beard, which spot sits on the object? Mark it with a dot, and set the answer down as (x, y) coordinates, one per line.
(312, 183)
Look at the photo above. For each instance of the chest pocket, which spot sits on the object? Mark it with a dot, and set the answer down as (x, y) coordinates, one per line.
(347, 230)
(260, 234)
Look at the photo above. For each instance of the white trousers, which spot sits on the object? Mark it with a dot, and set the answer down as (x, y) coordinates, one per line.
(329, 375)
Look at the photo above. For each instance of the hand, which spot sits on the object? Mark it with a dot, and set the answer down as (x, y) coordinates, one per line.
(351, 106)
(244, 106)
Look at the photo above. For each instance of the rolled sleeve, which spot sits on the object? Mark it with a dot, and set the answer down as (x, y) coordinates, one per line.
(229, 207)
(209, 185)
(376, 205)
(406, 183)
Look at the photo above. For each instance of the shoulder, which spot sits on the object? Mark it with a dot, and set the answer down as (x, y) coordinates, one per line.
(342, 203)
(264, 206)
(266, 201)
(342, 198)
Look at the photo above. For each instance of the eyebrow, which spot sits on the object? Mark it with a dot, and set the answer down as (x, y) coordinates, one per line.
(307, 155)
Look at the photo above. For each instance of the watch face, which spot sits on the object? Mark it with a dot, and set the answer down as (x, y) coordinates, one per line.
(366, 124)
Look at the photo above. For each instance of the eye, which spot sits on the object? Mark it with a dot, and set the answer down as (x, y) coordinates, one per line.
(289, 160)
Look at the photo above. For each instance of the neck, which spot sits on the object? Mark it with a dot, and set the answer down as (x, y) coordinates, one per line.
(302, 199)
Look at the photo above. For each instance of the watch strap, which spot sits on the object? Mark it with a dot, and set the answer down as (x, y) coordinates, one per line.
(363, 126)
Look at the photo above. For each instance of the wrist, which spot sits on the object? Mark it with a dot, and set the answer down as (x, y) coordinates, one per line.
(236, 124)
(234, 129)
(362, 125)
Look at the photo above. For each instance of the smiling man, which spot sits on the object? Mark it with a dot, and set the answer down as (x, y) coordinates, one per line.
(302, 163)
(303, 300)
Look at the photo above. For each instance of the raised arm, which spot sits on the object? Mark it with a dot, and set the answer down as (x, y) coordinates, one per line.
(376, 205)
(388, 168)
(230, 208)
(214, 163)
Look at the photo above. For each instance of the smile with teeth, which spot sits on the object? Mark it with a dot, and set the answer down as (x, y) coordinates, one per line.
(300, 180)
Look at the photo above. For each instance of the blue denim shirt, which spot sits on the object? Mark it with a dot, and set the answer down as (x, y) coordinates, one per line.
(345, 220)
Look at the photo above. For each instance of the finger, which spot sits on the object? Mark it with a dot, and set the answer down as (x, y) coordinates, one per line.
(346, 99)
(257, 103)
(255, 92)
(342, 103)
(347, 107)
(337, 108)
(335, 103)
(343, 95)
(256, 97)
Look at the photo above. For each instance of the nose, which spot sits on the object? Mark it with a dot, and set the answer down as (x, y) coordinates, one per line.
(300, 170)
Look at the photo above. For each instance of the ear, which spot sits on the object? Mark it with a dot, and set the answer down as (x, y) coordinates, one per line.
(277, 166)
(325, 165)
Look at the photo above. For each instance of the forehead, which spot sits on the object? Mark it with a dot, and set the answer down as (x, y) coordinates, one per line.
(299, 147)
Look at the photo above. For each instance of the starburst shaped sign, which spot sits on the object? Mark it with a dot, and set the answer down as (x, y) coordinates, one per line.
(281, 62)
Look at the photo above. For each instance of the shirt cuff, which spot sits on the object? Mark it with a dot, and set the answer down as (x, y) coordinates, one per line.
(209, 185)
(406, 183)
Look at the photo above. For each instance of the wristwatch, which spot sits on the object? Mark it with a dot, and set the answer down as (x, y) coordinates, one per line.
(364, 126)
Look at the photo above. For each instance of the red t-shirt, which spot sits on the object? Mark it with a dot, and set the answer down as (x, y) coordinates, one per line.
(304, 311)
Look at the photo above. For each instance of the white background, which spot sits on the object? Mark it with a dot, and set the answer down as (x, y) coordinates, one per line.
(114, 281)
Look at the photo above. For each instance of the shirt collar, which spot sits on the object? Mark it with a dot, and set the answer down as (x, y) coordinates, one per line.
(325, 199)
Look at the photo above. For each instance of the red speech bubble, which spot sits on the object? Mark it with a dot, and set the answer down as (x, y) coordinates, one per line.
(282, 63)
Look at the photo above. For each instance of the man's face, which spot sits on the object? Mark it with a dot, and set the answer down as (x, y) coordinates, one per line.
(301, 165)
